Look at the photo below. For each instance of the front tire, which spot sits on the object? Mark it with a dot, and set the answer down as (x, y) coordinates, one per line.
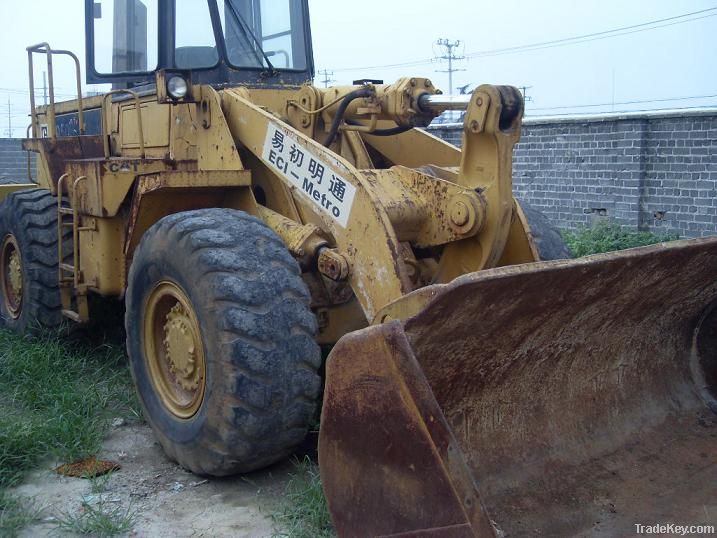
(221, 341)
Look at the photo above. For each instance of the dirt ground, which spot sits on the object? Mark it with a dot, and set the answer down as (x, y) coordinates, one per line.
(167, 501)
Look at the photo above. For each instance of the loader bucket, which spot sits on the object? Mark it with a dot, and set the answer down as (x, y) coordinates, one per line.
(566, 398)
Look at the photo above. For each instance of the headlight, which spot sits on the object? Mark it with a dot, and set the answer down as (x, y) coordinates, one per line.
(177, 87)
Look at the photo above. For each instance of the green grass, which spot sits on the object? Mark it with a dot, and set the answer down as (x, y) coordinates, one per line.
(103, 519)
(57, 399)
(15, 514)
(609, 236)
(303, 512)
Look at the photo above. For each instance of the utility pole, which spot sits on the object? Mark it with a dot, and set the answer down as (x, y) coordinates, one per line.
(613, 89)
(9, 119)
(451, 56)
(327, 77)
(524, 91)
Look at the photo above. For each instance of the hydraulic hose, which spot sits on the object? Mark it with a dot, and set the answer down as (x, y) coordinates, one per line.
(338, 118)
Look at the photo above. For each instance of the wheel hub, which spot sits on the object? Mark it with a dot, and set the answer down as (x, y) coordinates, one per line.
(180, 348)
(173, 350)
(11, 276)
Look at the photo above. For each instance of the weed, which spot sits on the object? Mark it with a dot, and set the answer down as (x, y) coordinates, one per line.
(103, 519)
(98, 484)
(15, 514)
(56, 400)
(609, 236)
(304, 512)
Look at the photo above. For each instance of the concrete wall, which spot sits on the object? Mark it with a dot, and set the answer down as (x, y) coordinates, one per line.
(13, 161)
(654, 171)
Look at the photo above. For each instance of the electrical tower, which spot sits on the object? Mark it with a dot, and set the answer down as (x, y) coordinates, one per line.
(327, 77)
(451, 56)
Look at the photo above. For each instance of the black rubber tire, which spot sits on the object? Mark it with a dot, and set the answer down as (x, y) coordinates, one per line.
(258, 334)
(547, 237)
(31, 217)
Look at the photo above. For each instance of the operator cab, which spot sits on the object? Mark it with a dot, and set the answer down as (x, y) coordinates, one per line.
(218, 42)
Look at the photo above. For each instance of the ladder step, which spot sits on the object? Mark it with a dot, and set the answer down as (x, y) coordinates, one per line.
(67, 267)
(74, 316)
(66, 211)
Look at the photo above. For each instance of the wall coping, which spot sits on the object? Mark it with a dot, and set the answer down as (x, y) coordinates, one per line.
(599, 118)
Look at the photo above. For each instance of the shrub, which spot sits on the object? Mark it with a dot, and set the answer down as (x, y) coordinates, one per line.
(609, 236)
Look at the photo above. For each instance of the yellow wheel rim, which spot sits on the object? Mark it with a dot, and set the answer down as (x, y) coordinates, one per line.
(173, 350)
(11, 276)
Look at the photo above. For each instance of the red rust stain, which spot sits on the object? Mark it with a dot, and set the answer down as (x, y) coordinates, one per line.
(87, 468)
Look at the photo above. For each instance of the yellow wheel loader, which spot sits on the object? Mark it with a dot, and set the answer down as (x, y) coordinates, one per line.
(247, 217)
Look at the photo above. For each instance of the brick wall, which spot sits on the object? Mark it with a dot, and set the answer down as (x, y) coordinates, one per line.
(13, 161)
(655, 171)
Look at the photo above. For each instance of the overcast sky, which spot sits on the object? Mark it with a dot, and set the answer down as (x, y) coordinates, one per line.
(673, 59)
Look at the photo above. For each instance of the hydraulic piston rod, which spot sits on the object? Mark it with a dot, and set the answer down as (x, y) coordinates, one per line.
(439, 103)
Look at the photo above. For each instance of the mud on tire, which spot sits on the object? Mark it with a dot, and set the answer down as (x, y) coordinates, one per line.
(257, 334)
(28, 226)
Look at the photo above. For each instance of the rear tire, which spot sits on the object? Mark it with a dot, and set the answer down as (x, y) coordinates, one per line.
(29, 292)
(221, 341)
(547, 237)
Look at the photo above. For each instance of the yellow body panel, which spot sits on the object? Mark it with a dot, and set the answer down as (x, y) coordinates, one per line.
(420, 210)
(101, 261)
(14, 187)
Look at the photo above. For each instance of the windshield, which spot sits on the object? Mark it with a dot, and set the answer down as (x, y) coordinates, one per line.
(264, 33)
(129, 39)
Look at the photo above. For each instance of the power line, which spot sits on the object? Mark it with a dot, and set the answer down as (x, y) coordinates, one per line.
(37, 91)
(449, 55)
(605, 34)
(626, 111)
(636, 102)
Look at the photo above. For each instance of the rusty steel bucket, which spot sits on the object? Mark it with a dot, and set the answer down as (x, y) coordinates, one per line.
(566, 398)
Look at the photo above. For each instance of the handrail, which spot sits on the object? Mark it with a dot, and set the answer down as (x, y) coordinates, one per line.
(137, 104)
(29, 156)
(76, 230)
(44, 48)
(60, 250)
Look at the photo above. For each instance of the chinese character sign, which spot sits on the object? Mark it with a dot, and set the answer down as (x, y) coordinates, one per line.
(330, 192)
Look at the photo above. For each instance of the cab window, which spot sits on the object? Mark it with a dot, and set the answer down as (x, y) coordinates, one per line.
(255, 28)
(125, 36)
(195, 45)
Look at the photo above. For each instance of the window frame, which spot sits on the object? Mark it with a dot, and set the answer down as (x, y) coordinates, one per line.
(222, 73)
